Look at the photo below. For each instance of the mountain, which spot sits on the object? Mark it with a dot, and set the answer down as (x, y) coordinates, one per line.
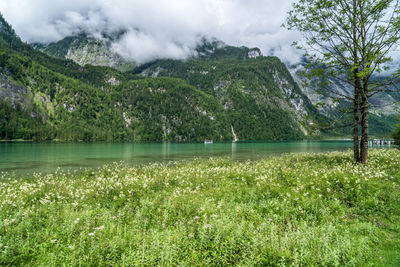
(256, 92)
(216, 49)
(44, 97)
(84, 49)
(383, 114)
(223, 93)
(259, 107)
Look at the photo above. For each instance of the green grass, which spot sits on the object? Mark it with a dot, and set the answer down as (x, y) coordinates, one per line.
(293, 210)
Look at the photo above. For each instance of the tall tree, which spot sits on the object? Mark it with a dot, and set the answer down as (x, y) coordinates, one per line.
(353, 39)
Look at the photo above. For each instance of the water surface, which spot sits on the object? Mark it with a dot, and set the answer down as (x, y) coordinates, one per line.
(27, 158)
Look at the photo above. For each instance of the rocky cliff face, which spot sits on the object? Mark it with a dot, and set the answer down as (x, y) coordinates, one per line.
(93, 52)
(13, 93)
(84, 49)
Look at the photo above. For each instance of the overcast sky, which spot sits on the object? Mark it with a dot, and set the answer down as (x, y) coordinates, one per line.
(157, 28)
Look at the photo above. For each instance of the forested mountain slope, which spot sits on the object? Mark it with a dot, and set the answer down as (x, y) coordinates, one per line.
(256, 92)
(222, 93)
(51, 98)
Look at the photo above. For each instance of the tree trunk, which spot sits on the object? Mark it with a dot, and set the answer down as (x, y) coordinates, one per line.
(364, 123)
(356, 119)
(356, 122)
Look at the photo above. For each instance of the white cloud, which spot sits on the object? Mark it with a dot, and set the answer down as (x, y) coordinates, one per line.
(157, 28)
(141, 47)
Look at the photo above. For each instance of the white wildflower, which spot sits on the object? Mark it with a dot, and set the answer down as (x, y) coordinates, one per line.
(207, 226)
(99, 228)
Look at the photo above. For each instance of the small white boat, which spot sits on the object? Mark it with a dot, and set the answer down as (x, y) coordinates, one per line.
(208, 141)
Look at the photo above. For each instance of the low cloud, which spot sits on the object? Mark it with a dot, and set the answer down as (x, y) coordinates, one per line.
(138, 46)
(157, 28)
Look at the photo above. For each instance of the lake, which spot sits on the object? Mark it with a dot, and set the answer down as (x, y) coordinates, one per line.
(26, 158)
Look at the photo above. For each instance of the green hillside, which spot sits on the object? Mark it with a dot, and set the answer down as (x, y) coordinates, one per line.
(226, 92)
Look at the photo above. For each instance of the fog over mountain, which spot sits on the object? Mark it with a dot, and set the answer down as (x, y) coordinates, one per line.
(157, 28)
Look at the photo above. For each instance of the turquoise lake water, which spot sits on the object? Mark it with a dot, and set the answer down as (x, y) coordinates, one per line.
(27, 158)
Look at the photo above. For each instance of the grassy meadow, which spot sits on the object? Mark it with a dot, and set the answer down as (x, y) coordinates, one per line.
(291, 210)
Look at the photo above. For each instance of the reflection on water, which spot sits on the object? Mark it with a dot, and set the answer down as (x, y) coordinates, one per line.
(25, 158)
